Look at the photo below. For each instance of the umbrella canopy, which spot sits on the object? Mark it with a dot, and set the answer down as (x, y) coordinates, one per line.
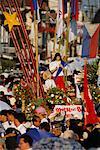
(4, 106)
(57, 144)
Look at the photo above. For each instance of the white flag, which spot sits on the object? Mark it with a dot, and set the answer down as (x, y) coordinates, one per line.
(59, 29)
(38, 13)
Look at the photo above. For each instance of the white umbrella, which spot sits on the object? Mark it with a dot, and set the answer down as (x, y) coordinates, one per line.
(4, 105)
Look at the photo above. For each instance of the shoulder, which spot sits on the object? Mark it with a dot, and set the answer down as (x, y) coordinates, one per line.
(52, 62)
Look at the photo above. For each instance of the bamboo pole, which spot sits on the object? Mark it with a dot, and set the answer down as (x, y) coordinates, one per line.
(36, 48)
(67, 32)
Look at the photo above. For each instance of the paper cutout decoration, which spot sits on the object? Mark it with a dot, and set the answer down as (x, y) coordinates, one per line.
(11, 20)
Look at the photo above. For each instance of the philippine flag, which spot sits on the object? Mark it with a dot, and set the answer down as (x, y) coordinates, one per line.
(35, 7)
(90, 40)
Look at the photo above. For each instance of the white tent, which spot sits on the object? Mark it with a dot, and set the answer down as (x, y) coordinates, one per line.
(4, 106)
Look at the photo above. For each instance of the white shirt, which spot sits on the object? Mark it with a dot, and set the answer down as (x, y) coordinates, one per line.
(27, 124)
(44, 120)
(7, 125)
(33, 126)
(12, 125)
(53, 65)
(21, 128)
(49, 84)
(4, 89)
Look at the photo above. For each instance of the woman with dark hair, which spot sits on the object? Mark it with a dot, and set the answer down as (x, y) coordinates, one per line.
(56, 68)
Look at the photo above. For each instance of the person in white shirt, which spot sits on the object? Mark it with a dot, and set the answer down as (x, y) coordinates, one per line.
(3, 119)
(2, 87)
(36, 122)
(25, 142)
(10, 116)
(18, 121)
(49, 83)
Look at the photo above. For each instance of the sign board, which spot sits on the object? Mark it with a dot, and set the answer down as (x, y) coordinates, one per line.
(72, 111)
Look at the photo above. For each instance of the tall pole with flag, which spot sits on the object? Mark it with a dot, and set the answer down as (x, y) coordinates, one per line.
(59, 23)
(35, 7)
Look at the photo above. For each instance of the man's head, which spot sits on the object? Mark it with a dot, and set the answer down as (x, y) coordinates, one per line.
(3, 116)
(25, 142)
(36, 121)
(45, 126)
(10, 115)
(19, 118)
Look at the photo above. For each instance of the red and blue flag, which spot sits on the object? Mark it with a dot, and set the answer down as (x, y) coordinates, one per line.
(74, 9)
(90, 41)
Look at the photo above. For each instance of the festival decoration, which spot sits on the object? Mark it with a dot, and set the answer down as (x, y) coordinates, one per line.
(56, 96)
(74, 9)
(92, 72)
(90, 40)
(59, 28)
(92, 79)
(23, 47)
(11, 20)
(23, 96)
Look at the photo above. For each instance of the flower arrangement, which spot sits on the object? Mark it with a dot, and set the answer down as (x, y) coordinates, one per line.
(57, 97)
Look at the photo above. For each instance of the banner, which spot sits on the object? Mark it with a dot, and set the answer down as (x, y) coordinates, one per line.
(59, 29)
(71, 111)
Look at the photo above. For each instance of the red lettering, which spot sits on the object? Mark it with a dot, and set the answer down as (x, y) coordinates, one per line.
(79, 109)
(68, 110)
(58, 109)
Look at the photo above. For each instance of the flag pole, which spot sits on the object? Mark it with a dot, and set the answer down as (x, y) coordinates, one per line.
(54, 47)
(36, 49)
(67, 32)
(55, 35)
(55, 39)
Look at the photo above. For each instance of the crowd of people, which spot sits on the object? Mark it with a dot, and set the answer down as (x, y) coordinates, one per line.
(18, 133)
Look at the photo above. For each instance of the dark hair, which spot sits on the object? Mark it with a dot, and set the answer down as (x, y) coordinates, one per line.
(76, 72)
(1, 92)
(45, 126)
(35, 118)
(57, 54)
(11, 112)
(89, 125)
(44, 1)
(20, 117)
(52, 11)
(27, 139)
(2, 77)
(3, 112)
